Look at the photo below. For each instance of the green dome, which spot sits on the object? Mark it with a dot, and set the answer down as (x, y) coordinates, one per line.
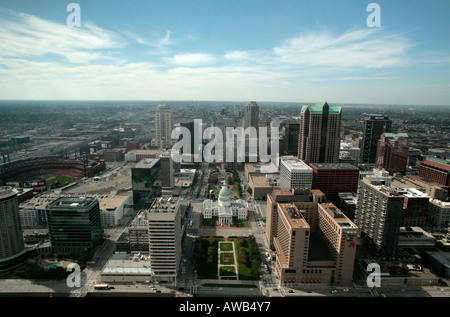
(224, 191)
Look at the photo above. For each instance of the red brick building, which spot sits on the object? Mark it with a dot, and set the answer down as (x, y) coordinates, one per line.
(415, 208)
(392, 153)
(334, 178)
(436, 170)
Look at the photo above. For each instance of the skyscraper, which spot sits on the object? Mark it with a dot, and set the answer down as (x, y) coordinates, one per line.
(11, 239)
(163, 126)
(379, 214)
(190, 126)
(164, 233)
(290, 138)
(74, 224)
(167, 175)
(319, 134)
(374, 126)
(251, 118)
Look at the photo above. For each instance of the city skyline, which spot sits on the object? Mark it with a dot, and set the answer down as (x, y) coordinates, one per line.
(290, 51)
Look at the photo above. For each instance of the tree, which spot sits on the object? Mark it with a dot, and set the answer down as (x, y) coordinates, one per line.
(243, 258)
(211, 253)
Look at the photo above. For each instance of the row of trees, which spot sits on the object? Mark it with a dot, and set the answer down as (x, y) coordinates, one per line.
(205, 255)
(200, 183)
(249, 256)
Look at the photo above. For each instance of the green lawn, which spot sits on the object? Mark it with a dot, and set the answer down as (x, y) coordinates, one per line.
(50, 178)
(227, 258)
(226, 246)
(207, 269)
(210, 222)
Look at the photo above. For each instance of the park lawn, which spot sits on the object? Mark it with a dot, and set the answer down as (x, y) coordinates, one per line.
(235, 192)
(242, 223)
(228, 272)
(227, 258)
(50, 178)
(226, 246)
(210, 222)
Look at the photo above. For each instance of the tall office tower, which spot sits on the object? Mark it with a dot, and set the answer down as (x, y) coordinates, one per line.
(315, 242)
(251, 118)
(379, 214)
(167, 169)
(146, 181)
(392, 153)
(294, 173)
(319, 137)
(164, 233)
(163, 126)
(290, 138)
(334, 178)
(190, 127)
(11, 239)
(374, 126)
(74, 225)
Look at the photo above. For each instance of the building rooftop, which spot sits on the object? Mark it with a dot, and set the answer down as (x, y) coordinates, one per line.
(146, 163)
(123, 263)
(338, 216)
(440, 163)
(107, 202)
(294, 215)
(82, 202)
(318, 108)
(7, 192)
(147, 152)
(263, 181)
(261, 168)
(336, 166)
(412, 193)
(396, 135)
(165, 206)
(295, 164)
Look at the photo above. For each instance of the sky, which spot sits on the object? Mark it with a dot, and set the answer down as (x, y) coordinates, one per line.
(262, 50)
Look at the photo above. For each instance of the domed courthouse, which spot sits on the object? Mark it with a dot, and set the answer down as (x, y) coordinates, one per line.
(225, 208)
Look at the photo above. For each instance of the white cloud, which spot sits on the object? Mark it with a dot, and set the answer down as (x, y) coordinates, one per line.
(24, 35)
(157, 43)
(238, 55)
(192, 59)
(366, 48)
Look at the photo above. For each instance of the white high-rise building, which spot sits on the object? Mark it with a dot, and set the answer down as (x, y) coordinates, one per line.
(294, 173)
(164, 234)
(163, 126)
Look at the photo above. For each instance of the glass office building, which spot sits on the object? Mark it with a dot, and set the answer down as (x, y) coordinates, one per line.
(74, 225)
